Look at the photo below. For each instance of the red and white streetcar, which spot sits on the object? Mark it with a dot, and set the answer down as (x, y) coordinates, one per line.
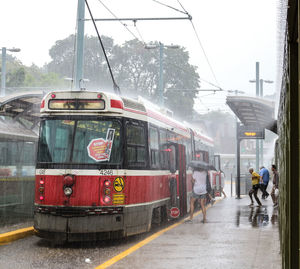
(109, 166)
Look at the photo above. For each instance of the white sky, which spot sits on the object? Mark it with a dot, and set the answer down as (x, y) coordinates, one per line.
(235, 34)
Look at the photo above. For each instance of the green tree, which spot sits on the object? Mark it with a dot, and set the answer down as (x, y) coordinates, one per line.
(94, 68)
(20, 77)
(135, 68)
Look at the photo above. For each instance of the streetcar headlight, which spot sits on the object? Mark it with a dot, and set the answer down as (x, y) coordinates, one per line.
(68, 191)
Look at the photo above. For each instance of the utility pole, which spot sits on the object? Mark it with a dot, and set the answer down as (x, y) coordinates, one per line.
(3, 72)
(79, 45)
(257, 94)
(161, 47)
(161, 74)
(3, 68)
(261, 146)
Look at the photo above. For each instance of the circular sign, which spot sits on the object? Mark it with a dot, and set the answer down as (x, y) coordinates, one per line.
(174, 212)
(119, 184)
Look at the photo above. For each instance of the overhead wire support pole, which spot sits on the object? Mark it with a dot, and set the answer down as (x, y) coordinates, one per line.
(189, 17)
(79, 45)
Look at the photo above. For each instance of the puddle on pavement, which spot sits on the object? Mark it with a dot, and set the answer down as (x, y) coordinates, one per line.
(256, 216)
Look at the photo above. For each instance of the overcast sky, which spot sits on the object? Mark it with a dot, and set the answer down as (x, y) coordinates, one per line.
(234, 33)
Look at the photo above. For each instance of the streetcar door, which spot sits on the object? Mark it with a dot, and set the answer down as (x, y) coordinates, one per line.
(217, 165)
(177, 162)
(182, 179)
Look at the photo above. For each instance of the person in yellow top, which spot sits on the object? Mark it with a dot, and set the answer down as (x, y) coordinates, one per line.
(255, 186)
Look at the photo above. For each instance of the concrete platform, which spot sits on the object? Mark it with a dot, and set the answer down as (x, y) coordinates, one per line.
(235, 236)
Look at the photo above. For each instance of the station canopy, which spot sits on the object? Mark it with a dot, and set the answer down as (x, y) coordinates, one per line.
(20, 116)
(254, 111)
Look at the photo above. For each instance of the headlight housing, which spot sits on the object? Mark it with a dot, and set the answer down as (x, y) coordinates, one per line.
(68, 191)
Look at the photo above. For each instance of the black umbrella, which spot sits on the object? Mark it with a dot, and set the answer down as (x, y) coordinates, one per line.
(199, 165)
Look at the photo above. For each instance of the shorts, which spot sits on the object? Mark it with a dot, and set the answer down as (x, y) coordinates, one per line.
(198, 196)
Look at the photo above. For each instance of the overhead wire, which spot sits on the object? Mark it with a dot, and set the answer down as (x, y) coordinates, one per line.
(200, 43)
(195, 31)
(139, 33)
(116, 87)
(163, 4)
(182, 7)
(200, 78)
(124, 24)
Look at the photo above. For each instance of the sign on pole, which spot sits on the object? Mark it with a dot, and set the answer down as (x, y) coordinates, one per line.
(250, 132)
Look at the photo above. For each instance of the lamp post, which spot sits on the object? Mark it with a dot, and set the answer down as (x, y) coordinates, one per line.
(161, 47)
(3, 70)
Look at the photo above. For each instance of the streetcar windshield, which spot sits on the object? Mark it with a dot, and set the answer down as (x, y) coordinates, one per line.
(80, 141)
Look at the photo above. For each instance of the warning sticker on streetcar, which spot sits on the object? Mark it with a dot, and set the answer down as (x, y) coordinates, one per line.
(118, 198)
(119, 184)
(99, 149)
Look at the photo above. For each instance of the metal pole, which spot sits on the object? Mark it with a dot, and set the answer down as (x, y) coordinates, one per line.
(3, 72)
(161, 75)
(143, 19)
(79, 44)
(261, 141)
(257, 94)
(238, 167)
(231, 185)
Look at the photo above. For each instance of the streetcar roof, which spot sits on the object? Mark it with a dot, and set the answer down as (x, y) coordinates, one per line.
(139, 109)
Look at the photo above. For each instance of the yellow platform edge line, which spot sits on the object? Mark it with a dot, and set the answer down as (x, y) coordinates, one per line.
(147, 240)
(15, 235)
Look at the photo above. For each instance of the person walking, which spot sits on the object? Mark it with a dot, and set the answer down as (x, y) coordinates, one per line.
(199, 191)
(255, 186)
(264, 181)
(223, 183)
(275, 185)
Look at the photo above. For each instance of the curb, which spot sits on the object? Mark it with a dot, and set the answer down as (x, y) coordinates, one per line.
(15, 235)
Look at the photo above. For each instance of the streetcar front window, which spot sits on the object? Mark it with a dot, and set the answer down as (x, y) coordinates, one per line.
(80, 141)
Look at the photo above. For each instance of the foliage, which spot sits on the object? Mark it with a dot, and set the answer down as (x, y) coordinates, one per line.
(136, 70)
(19, 76)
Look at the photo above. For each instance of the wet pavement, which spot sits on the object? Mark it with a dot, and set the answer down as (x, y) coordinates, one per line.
(235, 236)
(15, 226)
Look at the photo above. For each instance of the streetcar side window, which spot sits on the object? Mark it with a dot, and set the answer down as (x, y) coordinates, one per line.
(136, 145)
(154, 147)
